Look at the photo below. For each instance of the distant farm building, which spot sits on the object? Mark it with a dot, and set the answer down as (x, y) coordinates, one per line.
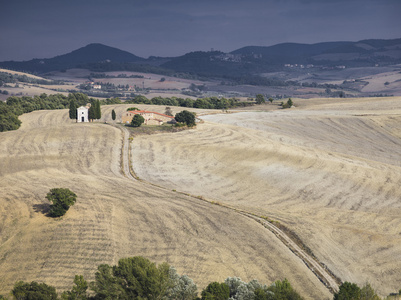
(82, 113)
(151, 118)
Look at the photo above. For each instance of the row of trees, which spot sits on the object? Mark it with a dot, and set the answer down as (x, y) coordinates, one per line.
(139, 278)
(205, 103)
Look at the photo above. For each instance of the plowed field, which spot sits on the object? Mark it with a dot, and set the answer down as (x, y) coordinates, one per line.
(329, 170)
(116, 216)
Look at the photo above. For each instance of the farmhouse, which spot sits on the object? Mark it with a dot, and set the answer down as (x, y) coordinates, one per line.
(151, 118)
(82, 113)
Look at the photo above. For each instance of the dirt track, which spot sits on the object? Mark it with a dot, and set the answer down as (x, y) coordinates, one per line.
(117, 217)
(330, 170)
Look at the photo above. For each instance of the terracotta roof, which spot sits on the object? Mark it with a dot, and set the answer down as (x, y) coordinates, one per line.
(151, 112)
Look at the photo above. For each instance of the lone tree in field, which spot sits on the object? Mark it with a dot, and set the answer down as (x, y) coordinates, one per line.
(137, 121)
(186, 117)
(113, 115)
(260, 99)
(62, 199)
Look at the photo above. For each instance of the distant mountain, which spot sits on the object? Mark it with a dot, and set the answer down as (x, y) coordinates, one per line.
(251, 60)
(347, 53)
(290, 50)
(91, 53)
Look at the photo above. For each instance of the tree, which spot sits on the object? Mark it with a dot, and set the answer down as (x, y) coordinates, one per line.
(168, 111)
(348, 291)
(98, 111)
(260, 99)
(113, 115)
(289, 104)
(137, 121)
(185, 117)
(73, 109)
(78, 291)
(33, 291)
(183, 287)
(284, 291)
(271, 100)
(216, 291)
(91, 112)
(368, 293)
(133, 278)
(62, 199)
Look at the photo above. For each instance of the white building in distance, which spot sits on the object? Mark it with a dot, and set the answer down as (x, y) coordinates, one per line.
(82, 114)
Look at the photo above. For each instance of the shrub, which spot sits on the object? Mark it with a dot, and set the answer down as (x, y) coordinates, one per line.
(137, 121)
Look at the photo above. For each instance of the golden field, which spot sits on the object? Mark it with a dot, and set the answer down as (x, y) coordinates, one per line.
(329, 170)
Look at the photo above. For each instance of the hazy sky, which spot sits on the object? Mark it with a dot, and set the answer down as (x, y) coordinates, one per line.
(46, 28)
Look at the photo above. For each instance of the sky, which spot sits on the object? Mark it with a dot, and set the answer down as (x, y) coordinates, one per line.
(47, 28)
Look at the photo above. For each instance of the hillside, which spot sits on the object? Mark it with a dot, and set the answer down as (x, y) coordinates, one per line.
(91, 53)
(116, 217)
(247, 60)
(328, 169)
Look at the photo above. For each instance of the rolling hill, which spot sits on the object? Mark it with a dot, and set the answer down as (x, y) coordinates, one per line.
(246, 60)
(91, 53)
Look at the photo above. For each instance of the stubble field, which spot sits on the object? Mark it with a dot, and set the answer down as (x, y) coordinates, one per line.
(116, 216)
(329, 170)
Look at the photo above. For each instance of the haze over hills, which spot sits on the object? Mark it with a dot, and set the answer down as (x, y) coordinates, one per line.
(246, 60)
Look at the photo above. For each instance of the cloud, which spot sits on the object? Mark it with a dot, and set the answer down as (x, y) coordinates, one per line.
(45, 28)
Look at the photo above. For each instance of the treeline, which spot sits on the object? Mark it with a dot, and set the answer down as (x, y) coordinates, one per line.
(14, 78)
(204, 103)
(139, 278)
(16, 106)
(103, 75)
(133, 67)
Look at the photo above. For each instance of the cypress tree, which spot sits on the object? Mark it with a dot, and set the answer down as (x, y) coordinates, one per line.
(73, 109)
(98, 112)
(113, 115)
(91, 112)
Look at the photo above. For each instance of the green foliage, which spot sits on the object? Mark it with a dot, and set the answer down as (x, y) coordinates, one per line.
(33, 291)
(205, 103)
(216, 291)
(132, 278)
(283, 290)
(62, 199)
(98, 111)
(91, 113)
(73, 109)
(271, 100)
(137, 121)
(186, 117)
(289, 104)
(132, 108)
(139, 278)
(113, 114)
(78, 291)
(368, 293)
(348, 291)
(260, 99)
(106, 285)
